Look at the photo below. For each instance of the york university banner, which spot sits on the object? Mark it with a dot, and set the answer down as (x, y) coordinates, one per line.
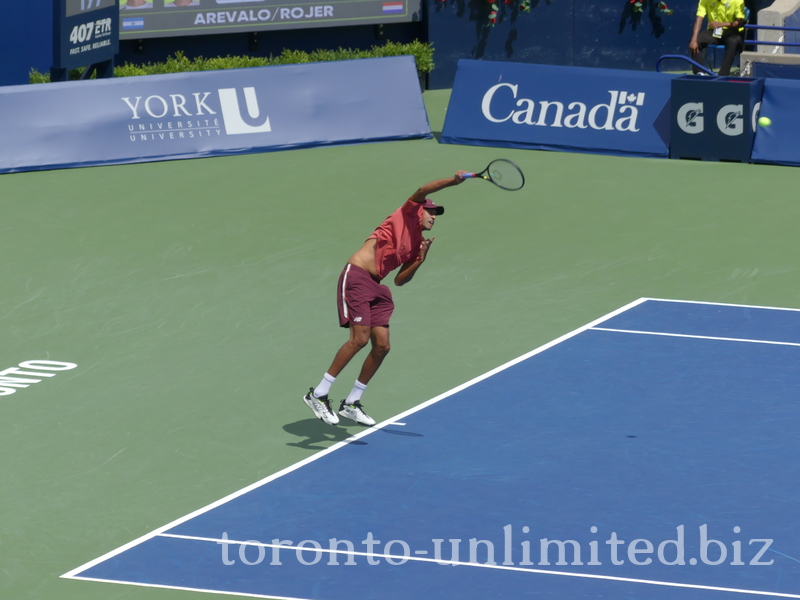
(138, 119)
(559, 108)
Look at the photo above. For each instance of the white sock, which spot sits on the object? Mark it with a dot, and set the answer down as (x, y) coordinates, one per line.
(355, 394)
(324, 386)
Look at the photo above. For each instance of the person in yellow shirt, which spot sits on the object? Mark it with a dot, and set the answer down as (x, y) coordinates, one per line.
(726, 19)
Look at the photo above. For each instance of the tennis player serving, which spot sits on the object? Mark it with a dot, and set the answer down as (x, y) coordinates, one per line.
(365, 305)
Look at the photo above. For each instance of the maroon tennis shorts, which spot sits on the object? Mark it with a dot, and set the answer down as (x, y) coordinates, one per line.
(362, 300)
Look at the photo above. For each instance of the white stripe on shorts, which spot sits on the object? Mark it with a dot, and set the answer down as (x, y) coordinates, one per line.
(344, 285)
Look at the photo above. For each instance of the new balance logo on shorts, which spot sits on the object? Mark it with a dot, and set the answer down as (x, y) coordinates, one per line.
(357, 319)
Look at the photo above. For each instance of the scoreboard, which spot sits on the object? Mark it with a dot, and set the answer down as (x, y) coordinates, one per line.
(85, 32)
(166, 18)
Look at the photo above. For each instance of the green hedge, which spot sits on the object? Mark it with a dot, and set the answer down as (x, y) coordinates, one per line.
(422, 53)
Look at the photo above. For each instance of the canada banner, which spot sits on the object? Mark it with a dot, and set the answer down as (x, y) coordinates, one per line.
(546, 107)
(213, 113)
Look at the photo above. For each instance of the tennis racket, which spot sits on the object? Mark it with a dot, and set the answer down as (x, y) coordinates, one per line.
(503, 173)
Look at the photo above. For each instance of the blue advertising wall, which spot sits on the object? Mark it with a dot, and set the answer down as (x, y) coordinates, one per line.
(715, 117)
(559, 108)
(779, 143)
(617, 112)
(139, 119)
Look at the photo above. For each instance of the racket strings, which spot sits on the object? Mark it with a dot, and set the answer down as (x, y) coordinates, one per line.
(506, 175)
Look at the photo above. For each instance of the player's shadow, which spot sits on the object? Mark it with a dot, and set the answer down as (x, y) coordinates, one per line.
(315, 432)
(401, 432)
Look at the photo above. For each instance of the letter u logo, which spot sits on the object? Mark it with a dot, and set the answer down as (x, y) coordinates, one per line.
(236, 121)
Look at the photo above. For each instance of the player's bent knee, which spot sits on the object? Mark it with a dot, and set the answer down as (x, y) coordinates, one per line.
(359, 336)
(380, 347)
(359, 341)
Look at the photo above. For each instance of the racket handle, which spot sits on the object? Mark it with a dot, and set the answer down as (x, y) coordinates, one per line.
(466, 175)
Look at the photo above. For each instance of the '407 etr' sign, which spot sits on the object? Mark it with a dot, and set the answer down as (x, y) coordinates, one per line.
(85, 32)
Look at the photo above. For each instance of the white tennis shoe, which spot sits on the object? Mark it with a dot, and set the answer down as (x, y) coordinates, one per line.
(321, 407)
(356, 413)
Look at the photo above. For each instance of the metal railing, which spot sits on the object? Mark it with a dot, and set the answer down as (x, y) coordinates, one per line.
(694, 63)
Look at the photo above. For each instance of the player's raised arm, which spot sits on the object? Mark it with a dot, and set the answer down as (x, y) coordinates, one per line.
(435, 186)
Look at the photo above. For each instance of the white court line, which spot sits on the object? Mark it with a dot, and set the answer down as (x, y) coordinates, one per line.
(186, 589)
(75, 573)
(696, 337)
(721, 304)
(456, 563)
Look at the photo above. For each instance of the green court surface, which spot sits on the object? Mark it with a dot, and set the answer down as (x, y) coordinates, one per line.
(197, 298)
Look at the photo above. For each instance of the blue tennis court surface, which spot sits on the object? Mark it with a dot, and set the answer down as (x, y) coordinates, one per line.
(651, 454)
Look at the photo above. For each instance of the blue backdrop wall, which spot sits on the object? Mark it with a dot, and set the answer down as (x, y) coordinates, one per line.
(26, 40)
(594, 33)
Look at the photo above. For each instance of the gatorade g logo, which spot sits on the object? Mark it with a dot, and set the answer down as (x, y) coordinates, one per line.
(730, 119)
(754, 115)
(690, 117)
(237, 122)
